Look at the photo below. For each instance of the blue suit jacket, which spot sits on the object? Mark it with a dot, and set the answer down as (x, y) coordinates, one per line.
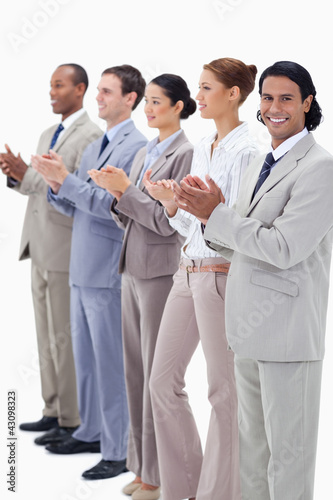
(96, 239)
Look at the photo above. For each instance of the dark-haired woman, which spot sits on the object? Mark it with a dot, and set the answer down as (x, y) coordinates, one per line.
(149, 258)
(195, 308)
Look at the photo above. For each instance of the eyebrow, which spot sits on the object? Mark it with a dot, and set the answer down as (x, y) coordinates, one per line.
(204, 83)
(152, 97)
(280, 95)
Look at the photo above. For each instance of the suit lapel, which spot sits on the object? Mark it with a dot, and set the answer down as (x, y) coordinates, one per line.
(286, 165)
(68, 132)
(115, 141)
(158, 164)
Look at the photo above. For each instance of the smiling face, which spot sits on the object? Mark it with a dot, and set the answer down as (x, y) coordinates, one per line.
(282, 109)
(213, 96)
(66, 98)
(159, 110)
(113, 106)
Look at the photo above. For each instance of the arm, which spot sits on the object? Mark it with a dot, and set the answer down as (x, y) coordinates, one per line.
(140, 207)
(294, 234)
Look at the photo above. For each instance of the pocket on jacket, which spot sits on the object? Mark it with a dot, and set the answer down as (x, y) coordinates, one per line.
(274, 282)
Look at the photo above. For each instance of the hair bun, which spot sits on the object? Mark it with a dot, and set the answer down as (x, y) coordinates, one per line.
(189, 108)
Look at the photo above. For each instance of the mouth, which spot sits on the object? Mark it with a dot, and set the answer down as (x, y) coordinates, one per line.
(277, 121)
(150, 118)
(202, 106)
(53, 102)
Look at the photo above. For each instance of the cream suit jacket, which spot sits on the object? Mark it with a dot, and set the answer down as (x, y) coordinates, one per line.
(46, 234)
(280, 250)
(151, 247)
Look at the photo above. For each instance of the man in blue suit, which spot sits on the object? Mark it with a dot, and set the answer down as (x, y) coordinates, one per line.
(94, 279)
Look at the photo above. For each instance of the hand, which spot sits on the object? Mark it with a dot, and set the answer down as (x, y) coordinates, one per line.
(114, 179)
(51, 167)
(11, 165)
(197, 198)
(161, 191)
(102, 178)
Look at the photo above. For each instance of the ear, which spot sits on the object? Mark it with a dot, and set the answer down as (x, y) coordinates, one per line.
(80, 89)
(131, 98)
(234, 93)
(307, 103)
(178, 107)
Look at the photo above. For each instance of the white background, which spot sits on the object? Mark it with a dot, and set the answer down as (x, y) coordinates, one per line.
(177, 36)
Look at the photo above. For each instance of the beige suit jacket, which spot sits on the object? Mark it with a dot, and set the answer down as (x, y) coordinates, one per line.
(151, 247)
(46, 234)
(280, 250)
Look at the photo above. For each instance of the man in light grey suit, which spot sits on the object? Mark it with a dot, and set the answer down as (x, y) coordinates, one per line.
(46, 239)
(94, 279)
(279, 240)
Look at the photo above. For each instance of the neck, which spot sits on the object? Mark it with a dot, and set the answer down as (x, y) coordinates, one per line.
(113, 122)
(166, 132)
(225, 126)
(66, 115)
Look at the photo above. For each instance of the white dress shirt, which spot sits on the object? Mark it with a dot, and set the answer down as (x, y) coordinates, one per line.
(225, 166)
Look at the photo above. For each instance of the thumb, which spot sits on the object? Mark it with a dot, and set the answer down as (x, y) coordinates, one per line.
(55, 155)
(213, 187)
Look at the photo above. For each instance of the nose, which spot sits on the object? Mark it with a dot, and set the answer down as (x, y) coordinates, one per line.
(147, 107)
(275, 106)
(52, 93)
(198, 96)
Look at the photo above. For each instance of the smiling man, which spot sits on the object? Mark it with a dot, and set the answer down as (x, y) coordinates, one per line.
(278, 237)
(94, 278)
(46, 239)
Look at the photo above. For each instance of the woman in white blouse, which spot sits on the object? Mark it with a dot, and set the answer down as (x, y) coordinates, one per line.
(149, 258)
(195, 307)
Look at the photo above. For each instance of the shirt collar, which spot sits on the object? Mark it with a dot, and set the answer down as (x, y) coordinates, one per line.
(288, 144)
(163, 145)
(67, 122)
(229, 141)
(113, 130)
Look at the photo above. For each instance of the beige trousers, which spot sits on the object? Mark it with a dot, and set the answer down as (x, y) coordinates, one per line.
(195, 311)
(50, 293)
(142, 307)
(278, 428)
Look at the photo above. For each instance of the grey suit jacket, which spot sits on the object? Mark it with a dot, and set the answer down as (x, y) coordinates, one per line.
(280, 250)
(96, 239)
(46, 234)
(151, 247)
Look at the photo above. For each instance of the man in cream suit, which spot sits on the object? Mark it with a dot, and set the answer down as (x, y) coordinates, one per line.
(46, 240)
(94, 279)
(279, 240)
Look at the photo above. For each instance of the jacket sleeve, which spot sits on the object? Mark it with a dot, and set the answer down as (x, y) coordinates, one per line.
(140, 207)
(293, 236)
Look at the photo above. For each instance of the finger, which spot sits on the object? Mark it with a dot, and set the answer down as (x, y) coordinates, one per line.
(146, 176)
(8, 149)
(212, 184)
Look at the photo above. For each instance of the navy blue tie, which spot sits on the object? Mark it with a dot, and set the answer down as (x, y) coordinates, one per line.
(264, 173)
(56, 135)
(105, 142)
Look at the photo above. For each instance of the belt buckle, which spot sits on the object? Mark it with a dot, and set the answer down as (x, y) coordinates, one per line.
(187, 269)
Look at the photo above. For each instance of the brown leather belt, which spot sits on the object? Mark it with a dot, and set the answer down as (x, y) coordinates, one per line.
(214, 268)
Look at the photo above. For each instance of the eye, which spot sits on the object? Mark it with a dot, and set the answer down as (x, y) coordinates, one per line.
(155, 102)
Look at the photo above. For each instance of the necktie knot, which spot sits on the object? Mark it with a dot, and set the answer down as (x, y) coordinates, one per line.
(105, 142)
(56, 135)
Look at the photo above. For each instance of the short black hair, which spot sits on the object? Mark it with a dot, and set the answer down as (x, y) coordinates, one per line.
(131, 80)
(302, 78)
(80, 74)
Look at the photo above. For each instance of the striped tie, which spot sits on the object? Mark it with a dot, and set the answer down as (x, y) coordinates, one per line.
(56, 135)
(264, 173)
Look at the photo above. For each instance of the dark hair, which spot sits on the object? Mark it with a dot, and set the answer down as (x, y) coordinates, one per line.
(80, 74)
(131, 80)
(176, 89)
(232, 72)
(302, 78)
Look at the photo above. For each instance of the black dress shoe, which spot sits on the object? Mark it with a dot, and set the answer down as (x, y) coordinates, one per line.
(55, 435)
(105, 469)
(72, 445)
(44, 424)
